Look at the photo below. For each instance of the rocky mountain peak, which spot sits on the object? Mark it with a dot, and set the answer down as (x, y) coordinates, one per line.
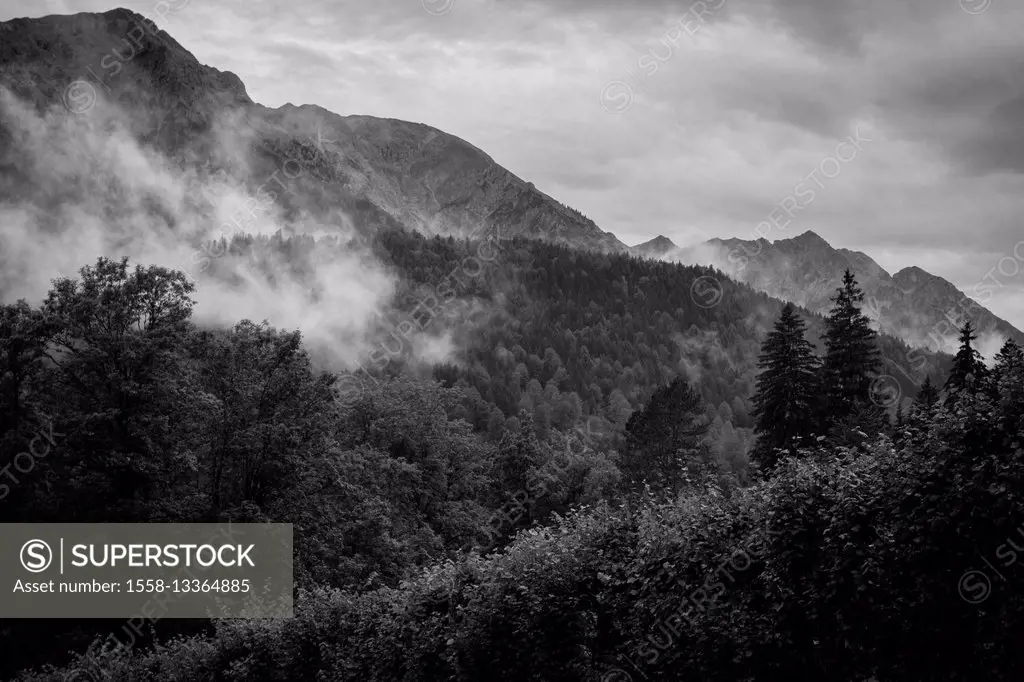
(807, 240)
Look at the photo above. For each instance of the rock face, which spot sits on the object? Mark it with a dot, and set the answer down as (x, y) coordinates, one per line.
(379, 171)
(120, 55)
(914, 305)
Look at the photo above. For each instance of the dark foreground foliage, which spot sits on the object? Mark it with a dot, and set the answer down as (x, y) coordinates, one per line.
(849, 564)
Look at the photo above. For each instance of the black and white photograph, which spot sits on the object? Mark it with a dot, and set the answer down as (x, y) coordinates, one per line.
(511, 340)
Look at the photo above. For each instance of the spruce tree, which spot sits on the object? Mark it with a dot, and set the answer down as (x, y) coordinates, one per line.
(787, 389)
(927, 397)
(900, 425)
(968, 372)
(852, 357)
(1009, 362)
(1008, 388)
(666, 438)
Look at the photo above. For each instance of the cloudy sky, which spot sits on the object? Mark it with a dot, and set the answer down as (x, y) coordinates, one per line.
(681, 119)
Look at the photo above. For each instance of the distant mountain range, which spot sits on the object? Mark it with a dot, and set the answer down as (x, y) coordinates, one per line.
(916, 306)
(384, 172)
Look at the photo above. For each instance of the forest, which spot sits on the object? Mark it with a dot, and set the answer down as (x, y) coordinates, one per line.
(610, 476)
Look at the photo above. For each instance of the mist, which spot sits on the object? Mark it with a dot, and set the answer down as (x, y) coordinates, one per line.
(82, 187)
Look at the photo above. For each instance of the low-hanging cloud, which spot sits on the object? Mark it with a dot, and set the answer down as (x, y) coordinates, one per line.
(77, 187)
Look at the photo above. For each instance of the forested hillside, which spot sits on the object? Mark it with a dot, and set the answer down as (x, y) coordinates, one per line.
(572, 335)
(558, 371)
(847, 562)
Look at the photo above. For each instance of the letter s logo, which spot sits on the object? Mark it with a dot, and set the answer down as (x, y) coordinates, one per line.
(36, 556)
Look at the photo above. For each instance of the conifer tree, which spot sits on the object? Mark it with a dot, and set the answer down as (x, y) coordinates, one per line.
(787, 389)
(900, 425)
(1009, 362)
(852, 357)
(867, 419)
(927, 397)
(667, 437)
(968, 372)
(1008, 386)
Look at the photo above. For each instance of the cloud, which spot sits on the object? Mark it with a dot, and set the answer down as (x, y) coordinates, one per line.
(86, 189)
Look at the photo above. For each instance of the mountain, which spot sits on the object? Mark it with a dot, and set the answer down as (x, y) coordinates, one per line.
(379, 171)
(804, 269)
(916, 306)
(655, 248)
(375, 173)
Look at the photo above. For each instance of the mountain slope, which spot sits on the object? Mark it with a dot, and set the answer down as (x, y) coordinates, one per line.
(381, 170)
(921, 308)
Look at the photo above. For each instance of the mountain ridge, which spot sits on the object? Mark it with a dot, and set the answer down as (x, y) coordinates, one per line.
(917, 306)
(379, 168)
